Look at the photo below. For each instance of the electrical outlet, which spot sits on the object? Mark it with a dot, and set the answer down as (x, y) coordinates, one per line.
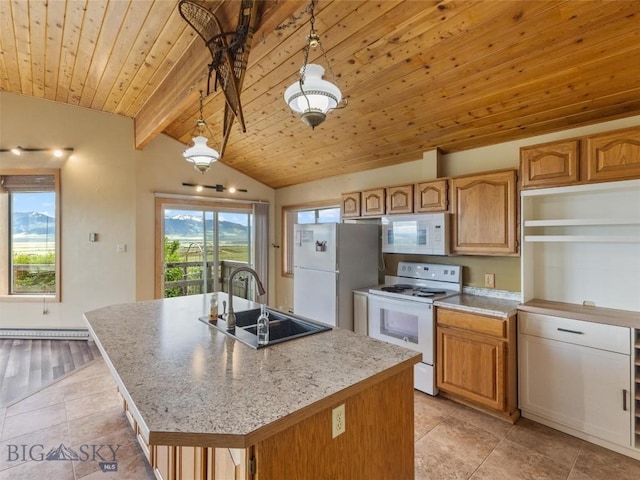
(338, 425)
(490, 280)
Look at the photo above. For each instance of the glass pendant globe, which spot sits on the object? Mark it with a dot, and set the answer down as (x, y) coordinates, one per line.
(201, 154)
(316, 97)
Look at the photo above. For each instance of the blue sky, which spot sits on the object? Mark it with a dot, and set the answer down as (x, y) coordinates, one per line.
(41, 202)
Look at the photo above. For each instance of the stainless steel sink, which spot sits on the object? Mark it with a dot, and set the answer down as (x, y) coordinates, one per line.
(282, 327)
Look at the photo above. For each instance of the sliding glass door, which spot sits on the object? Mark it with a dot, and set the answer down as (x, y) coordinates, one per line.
(200, 247)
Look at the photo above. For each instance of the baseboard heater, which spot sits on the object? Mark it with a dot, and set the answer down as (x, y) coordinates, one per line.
(45, 334)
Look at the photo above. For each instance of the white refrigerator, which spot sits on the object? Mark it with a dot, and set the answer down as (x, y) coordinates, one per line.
(330, 260)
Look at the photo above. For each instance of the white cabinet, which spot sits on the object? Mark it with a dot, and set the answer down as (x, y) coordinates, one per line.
(360, 312)
(576, 374)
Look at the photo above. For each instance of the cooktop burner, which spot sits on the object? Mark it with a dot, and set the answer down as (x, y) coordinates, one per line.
(431, 291)
(399, 288)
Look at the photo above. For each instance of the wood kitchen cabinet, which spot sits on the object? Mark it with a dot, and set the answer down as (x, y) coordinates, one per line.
(550, 164)
(603, 157)
(163, 462)
(399, 199)
(350, 205)
(373, 202)
(613, 156)
(476, 360)
(430, 196)
(484, 211)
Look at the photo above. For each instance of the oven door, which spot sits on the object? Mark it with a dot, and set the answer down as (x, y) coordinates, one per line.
(405, 323)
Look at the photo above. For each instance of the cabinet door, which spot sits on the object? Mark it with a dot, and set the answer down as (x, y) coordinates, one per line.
(164, 462)
(373, 202)
(360, 313)
(430, 196)
(485, 214)
(227, 464)
(472, 366)
(581, 387)
(551, 164)
(400, 199)
(614, 156)
(351, 204)
(190, 463)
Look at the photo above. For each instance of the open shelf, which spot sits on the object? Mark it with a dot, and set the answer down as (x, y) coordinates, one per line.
(575, 222)
(584, 238)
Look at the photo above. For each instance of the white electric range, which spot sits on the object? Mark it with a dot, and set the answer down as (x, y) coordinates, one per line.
(401, 312)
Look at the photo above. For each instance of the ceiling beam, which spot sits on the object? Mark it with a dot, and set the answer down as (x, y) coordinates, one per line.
(181, 86)
(177, 91)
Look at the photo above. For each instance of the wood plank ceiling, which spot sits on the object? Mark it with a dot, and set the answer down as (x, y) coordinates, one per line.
(418, 74)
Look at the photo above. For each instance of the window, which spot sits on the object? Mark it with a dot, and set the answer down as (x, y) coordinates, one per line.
(30, 233)
(317, 213)
(199, 244)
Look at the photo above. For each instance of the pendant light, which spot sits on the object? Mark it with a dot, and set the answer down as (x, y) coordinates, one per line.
(311, 96)
(201, 154)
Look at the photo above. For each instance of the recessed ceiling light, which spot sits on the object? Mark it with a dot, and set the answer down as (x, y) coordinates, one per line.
(232, 189)
(16, 151)
(199, 188)
(57, 153)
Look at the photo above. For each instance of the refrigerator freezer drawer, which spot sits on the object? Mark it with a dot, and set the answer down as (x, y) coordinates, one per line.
(316, 295)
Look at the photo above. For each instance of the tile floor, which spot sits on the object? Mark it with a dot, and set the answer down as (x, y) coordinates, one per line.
(452, 441)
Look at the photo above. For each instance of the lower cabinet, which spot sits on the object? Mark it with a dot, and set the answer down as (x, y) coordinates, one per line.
(163, 462)
(576, 374)
(361, 312)
(476, 360)
(226, 464)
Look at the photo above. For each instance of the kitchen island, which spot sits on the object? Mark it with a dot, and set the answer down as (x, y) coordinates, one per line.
(204, 405)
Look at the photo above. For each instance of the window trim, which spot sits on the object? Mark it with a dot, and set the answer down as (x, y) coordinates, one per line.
(286, 259)
(5, 253)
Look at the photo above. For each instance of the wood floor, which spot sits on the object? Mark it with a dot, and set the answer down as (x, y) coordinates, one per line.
(28, 365)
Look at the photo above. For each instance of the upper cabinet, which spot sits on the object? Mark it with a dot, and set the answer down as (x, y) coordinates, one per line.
(597, 158)
(373, 202)
(399, 199)
(350, 205)
(484, 211)
(613, 156)
(550, 164)
(430, 196)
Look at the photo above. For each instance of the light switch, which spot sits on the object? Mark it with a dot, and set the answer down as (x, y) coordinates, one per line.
(121, 248)
(93, 237)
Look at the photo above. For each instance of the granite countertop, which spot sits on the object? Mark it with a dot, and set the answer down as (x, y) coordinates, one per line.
(482, 302)
(185, 377)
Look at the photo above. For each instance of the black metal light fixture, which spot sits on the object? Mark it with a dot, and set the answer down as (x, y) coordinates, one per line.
(217, 187)
(56, 152)
(311, 95)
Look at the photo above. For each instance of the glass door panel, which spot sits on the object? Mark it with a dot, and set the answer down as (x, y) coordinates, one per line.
(202, 248)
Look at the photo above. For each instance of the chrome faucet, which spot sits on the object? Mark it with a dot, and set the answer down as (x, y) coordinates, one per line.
(231, 316)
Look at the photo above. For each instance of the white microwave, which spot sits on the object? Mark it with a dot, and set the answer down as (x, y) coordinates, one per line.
(422, 234)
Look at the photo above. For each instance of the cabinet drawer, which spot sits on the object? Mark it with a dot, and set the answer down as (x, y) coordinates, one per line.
(472, 322)
(590, 334)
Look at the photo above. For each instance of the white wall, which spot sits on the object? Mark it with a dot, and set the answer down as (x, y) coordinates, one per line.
(107, 187)
(162, 169)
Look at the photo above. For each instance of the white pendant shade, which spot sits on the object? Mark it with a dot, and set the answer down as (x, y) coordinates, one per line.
(201, 154)
(316, 97)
